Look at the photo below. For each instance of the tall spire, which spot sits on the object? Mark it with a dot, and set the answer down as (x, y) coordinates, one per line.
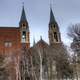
(54, 33)
(52, 18)
(23, 15)
(40, 37)
(34, 41)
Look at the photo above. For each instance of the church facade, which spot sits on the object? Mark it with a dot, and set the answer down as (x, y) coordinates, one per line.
(32, 63)
(12, 38)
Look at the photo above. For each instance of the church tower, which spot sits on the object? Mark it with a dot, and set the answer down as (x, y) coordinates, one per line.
(24, 29)
(54, 33)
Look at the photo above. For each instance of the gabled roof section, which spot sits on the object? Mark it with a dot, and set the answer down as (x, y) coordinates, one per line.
(23, 16)
(41, 43)
(52, 18)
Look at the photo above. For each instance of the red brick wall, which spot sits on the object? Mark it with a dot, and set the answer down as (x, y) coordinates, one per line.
(12, 35)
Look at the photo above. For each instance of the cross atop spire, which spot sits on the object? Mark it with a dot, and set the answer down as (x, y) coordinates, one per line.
(50, 4)
(23, 15)
(23, 3)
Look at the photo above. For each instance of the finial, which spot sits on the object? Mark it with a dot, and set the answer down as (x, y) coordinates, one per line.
(34, 41)
(41, 37)
(23, 4)
(50, 4)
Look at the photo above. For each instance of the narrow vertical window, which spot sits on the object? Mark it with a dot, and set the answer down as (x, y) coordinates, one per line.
(55, 36)
(8, 44)
(24, 36)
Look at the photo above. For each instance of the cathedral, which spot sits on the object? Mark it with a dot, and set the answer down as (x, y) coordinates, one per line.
(12, 38)
(39, 62)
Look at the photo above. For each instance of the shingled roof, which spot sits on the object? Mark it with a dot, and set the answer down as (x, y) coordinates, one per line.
(23, 16)
(52, 18)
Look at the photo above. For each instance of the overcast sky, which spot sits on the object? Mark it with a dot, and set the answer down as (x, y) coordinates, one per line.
(37, 12)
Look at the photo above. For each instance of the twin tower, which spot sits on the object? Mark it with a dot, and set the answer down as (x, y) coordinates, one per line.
(13, 38)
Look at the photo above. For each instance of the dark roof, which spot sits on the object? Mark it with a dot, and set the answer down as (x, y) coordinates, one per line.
(41, 43)
(52, 18)
(23, 15)
(2, 27)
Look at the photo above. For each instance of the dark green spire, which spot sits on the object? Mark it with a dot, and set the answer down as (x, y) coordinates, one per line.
(23, 16)
(52, 18)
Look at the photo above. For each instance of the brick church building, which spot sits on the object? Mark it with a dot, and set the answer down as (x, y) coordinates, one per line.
(12, 38)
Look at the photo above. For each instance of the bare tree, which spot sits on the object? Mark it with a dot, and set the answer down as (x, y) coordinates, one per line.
(3, 71)
(74, 31)
(74, 34)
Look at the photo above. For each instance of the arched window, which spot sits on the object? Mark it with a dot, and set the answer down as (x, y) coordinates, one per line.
(8, 44)
(24, 24)
(54, 26)
(23, 36)
(55, 36)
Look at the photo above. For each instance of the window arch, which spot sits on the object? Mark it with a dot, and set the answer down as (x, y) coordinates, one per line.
(55, 36)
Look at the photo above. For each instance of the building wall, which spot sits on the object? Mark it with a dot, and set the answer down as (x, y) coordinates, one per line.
(10, 39)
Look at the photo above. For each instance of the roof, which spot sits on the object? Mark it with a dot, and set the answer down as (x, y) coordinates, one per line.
(2, 27)
(23, 15)
(52, 18)
(41, 43)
